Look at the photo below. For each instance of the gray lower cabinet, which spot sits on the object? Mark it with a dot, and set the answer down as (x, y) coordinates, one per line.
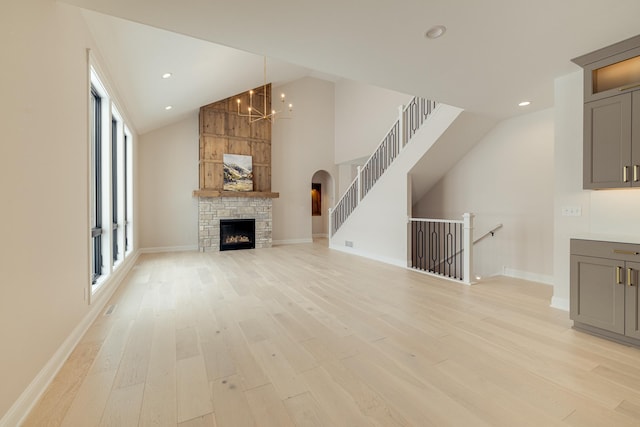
(604, 288)
(632, 306)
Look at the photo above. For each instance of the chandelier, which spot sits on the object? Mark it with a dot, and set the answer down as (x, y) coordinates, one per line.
(253, 113)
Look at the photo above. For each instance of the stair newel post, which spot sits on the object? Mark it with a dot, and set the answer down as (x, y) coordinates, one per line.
(400, 129)
(468, 247)
(359, 184)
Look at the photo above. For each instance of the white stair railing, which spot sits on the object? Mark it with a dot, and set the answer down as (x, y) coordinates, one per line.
(347, 203)
(410, 119)
(443, 247)
(414, 115)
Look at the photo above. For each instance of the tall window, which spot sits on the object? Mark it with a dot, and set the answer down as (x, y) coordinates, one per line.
(96, 184)
(111, 186)
(125, 152)
(114, 188)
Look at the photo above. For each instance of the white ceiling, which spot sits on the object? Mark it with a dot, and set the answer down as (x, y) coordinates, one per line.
(138, 55)
(494, 54)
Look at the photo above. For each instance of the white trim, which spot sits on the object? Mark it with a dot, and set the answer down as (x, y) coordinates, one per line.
(534, 277)
(95, 62)
(560, 303)
(384, 259)
(452, 221)
(162, 249)
(291, 242)
(19, 411)
(439, 276)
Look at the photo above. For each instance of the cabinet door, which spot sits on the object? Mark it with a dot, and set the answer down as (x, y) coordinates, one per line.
(597, 292)
(632, 300)
(635, 139)
(607, 142)
(612, 75)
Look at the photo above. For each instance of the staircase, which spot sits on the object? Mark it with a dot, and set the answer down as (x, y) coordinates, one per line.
(371, 217)
(411, 119)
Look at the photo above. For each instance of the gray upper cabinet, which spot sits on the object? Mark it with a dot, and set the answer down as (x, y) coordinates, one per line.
(607, 142)
(614, 74)
(635, 139)
(611, 156)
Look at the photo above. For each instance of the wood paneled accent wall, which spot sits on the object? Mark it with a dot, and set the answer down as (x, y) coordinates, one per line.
(223, 131)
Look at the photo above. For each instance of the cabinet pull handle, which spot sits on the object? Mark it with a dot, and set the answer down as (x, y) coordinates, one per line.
(625, 174)
(635, 173)
(623, 252)
(618, 275)
(622, 89)
(629, 271)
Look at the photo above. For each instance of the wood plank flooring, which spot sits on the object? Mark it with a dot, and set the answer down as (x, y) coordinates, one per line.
(303, 336)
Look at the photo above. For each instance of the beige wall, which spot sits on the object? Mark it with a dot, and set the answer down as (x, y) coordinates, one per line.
(300, 147)
(363, 116)
(507, 178)
(44, 227)
(168, 175)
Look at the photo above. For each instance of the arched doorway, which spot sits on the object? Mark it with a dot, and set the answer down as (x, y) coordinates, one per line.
(321, 200)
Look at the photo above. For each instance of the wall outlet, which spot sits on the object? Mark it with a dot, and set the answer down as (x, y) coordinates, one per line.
(572, 211)
(348, 243)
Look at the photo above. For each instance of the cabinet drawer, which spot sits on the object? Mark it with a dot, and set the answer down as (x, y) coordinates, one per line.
(601, 249)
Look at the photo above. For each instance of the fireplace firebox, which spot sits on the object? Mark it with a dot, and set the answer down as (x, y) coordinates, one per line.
(237, 234)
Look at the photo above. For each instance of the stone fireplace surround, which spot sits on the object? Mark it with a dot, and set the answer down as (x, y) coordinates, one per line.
(223, 131)
(212, 209)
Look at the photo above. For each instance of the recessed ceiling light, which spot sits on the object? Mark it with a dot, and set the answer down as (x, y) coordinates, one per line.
(524, 103)
(166, 75)
(168, 107)
(435, 32)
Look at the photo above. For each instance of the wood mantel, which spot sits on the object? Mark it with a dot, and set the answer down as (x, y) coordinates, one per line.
(214, 193)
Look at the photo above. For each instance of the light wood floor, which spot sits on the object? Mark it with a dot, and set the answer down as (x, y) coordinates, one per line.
(300, 335)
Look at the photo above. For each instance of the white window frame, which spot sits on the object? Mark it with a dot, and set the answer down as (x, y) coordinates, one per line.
(124, 214)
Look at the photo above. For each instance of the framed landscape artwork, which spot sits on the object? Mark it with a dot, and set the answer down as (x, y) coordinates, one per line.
(238, 172)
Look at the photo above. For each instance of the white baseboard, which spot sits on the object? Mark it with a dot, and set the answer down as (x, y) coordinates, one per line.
(19, 411)
(163, 249)
(525, 275)
(439, 276)
(560, 303)
(291, 242)
(375, 257)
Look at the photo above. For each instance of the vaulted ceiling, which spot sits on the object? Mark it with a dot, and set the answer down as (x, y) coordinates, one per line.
(494, 54)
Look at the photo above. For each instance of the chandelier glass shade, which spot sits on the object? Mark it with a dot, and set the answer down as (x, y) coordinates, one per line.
(262, 112)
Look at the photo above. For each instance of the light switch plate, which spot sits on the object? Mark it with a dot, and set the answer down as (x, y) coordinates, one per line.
(572, 211)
